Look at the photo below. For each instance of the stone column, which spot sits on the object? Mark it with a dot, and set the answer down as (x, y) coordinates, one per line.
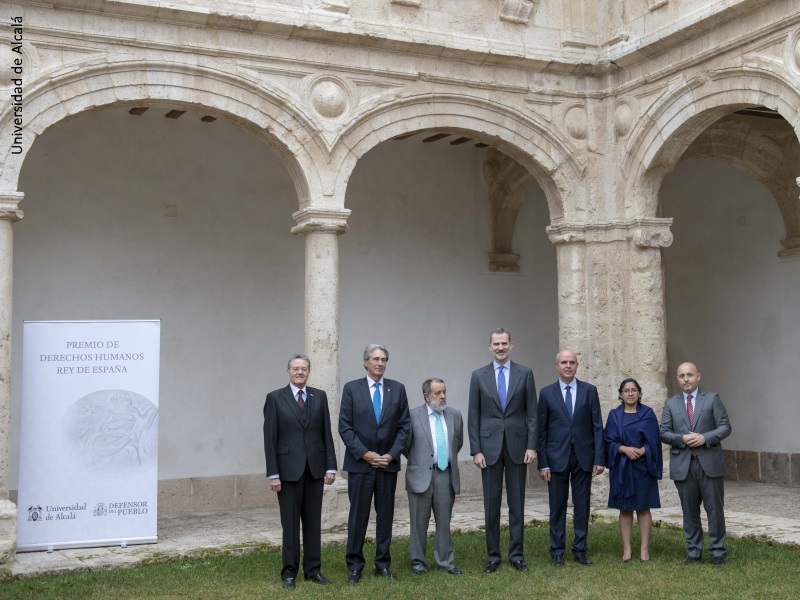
(322, 227)
(9, 213)
(611, 303)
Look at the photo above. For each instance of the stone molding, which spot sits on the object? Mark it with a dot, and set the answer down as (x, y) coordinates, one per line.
(643, 232)
(9, 206)
(412, 3)
(325, 220)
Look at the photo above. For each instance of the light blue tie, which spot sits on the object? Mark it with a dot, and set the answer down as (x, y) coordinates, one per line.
(441, 444)
(376, 401)
(568, 400)
(501, 388)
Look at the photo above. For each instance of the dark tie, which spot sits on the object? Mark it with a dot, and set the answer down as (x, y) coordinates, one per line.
(376, 401)
(501, 388)
(690, 410)
(568, 400)
(300, 402)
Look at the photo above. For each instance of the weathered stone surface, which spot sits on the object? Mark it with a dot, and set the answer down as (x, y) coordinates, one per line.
(747, 466)
(775, 468)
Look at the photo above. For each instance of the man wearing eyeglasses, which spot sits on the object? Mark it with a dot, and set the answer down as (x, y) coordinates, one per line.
(298, 445)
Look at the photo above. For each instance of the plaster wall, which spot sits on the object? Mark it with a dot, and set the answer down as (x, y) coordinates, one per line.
(732, 303)
(226, 276)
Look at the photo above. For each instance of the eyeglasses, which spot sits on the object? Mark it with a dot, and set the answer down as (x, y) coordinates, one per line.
(630, 392)
(298, 370)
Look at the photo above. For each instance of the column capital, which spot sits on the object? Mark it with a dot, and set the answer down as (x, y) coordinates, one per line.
(326, 220)
(9, 206)
(643, 232)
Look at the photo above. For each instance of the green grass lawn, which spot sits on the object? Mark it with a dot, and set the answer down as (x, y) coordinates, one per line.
(754, 570)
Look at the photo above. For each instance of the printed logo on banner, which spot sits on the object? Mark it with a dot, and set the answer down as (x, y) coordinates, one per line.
(100, 510)
(35, 513)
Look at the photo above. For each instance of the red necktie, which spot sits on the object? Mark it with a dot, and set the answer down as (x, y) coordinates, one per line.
(302, 403)
(690, 410)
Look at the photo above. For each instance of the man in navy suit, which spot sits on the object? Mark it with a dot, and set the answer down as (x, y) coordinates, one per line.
(502, 439)
(373, 424)
(298, 446)
(571, 450)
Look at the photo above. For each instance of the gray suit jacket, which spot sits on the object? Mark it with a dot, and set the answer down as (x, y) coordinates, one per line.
(419, 449)
(710, 419)
(488, 425)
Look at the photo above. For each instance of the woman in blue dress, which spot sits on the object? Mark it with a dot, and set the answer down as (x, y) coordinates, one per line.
(633, 448)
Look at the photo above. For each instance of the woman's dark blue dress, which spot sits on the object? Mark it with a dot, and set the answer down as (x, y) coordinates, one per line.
(633, 483)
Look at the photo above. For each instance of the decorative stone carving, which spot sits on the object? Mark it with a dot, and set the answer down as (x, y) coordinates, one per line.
(516, 11)
(320, 219)
(9, 206)
(330, 98)
(576, 121)
(509, 184)
(623, 118)
(645, 233)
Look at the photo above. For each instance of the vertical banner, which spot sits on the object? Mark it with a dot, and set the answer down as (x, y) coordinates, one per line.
(88, 465)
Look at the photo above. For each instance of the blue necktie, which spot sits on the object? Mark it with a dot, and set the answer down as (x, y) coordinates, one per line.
(568, 399)
(501, 388)
(376, 402)
(441, 444)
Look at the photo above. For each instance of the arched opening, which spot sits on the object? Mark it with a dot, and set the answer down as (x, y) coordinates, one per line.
(145, 216)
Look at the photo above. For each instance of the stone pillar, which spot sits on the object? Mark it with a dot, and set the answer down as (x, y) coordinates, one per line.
(322, 227)
(9, 213)
(611, 303)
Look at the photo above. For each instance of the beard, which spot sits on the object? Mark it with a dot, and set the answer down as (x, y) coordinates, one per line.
(436, 406)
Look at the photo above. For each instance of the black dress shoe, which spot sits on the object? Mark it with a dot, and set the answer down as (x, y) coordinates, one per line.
(354, 576)
(453, 570)
(491, 566)
(519, 565)
(719, 561)
(558, 561)
(385, 573)
(419, 571)
(288, 583)
(690, 560)
(318, 578)
(583, 559)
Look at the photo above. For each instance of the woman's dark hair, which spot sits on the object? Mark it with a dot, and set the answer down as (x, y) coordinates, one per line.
(634, 382)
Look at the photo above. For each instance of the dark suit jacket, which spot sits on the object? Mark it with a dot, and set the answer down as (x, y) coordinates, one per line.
(419, 449)
(487, 425)
(359, 431)
(557, 433)
(295, 438)
(710, 419)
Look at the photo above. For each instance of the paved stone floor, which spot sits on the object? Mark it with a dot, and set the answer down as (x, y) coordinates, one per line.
(752, 509)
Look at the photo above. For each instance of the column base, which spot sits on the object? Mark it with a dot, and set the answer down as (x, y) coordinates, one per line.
(8, 530)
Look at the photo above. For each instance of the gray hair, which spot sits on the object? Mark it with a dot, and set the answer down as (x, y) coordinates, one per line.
(372, 347)
(499, 331)
(296, 357)
(426, 386)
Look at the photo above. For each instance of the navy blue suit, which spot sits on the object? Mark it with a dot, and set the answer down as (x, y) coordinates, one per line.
(570, 448)
(360, 433)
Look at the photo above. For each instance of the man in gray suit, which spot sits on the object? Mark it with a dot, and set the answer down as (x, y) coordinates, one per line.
(694, 423)
(432, 478)
(502, 439)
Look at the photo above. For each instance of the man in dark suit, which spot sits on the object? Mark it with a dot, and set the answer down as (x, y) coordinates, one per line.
(694, 423)
(299, 450)
(571, 450)
(432, 477)
(502, 439)
(373, 425)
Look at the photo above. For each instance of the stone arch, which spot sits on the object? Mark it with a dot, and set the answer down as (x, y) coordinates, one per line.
(93, 84)
(667, 129)
(556, 165)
